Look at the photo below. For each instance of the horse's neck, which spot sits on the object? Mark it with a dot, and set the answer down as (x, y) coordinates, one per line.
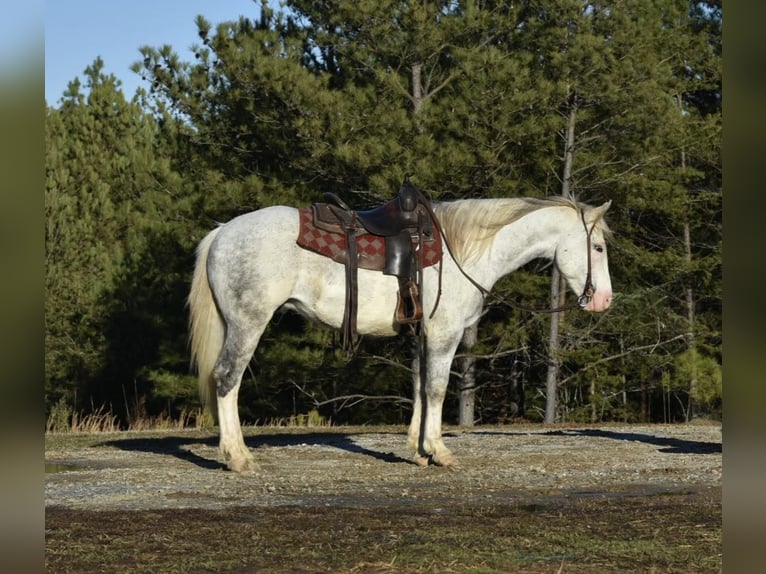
(533, 236)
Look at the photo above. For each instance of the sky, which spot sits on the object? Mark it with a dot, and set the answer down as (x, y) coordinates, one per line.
(78, 31)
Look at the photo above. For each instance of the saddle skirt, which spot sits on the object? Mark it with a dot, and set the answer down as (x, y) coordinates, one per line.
(319, 234)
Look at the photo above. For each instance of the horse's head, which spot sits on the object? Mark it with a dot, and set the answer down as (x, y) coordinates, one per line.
(578, 265)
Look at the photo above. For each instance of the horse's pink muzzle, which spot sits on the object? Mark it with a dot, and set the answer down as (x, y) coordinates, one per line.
(600, 301)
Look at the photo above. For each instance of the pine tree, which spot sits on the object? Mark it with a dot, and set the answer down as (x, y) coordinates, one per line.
(646, 136)
(87, 208)
(115, 250)
(474, 99)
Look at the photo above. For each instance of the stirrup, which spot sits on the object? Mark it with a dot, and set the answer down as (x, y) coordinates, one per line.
(408, 309)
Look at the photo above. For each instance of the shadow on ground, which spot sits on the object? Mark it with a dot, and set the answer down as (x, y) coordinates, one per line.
(179, 446)
(667, 444)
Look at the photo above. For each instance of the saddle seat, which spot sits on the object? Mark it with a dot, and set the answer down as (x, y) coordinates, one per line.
(388, 219)
(402, 213)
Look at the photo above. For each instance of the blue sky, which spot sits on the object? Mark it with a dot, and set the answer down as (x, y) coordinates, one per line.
(78, 31)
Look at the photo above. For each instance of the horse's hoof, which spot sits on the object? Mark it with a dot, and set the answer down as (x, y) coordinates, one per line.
(242, 465)
(421, 460)
(449, 461)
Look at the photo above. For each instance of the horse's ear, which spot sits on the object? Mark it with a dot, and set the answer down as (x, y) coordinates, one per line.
(598, 212)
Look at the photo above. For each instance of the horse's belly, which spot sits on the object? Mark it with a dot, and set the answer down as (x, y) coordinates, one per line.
(322, 296)
(377, 319)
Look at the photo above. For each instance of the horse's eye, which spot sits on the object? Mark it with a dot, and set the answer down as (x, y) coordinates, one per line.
(599, 248)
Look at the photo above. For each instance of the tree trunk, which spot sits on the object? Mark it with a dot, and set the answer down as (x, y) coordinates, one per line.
(558, 291)
(690, 333)
(552, 380)
(516, 391)
(690, 339)
(417, 89)
(418, 96)
(467, 395)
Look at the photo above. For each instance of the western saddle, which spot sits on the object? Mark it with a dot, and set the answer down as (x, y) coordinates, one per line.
(405, 222)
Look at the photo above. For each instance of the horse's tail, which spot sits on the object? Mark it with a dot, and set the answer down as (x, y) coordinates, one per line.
(206, 326)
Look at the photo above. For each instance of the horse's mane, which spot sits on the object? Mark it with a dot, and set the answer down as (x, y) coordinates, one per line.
(470, 225)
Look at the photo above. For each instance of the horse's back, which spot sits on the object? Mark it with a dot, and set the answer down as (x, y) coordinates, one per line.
(251, 233)
(261, 221)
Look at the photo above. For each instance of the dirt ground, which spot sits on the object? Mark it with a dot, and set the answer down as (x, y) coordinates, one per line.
(526, 498)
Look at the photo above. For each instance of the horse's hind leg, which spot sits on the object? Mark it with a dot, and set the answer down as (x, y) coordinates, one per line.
(237, 351)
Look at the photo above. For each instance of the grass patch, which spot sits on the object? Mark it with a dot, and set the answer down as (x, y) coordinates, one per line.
(679, 533)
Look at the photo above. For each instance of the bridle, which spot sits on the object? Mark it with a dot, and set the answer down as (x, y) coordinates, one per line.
(588, 290)
(582, 300)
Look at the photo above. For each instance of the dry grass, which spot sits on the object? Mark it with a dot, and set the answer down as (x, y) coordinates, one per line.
(64, 420)
(310, 420)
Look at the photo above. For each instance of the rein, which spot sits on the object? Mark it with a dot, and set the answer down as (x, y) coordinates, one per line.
(582, 300)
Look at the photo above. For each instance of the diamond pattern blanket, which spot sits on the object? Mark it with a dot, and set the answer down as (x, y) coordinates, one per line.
(371, 249)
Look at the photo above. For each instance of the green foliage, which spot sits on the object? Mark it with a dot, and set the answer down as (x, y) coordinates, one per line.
(706, 373)
(60, 417)
(471, 98)
(117, 246)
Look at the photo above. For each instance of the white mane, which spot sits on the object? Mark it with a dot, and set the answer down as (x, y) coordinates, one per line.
(470, 225)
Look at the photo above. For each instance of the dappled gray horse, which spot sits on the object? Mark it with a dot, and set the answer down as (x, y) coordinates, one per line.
(251, 267)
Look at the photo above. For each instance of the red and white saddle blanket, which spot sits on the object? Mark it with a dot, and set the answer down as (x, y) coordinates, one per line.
(371, 249)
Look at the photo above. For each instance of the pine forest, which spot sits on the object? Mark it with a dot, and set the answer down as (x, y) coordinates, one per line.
(617, 100)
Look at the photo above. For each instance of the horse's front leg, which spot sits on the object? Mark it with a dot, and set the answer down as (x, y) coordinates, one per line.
(425, 431)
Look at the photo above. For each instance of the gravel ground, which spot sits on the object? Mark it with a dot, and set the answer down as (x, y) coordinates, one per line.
(352, 466)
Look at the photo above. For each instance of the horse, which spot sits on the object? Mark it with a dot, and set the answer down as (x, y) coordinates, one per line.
(251, 268)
